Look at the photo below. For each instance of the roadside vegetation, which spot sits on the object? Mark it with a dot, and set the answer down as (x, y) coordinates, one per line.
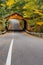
(32, 9)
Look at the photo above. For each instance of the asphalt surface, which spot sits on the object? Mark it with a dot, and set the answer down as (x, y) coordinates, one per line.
(26, 49)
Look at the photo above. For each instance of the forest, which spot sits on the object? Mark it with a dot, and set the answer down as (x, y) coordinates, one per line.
(32, 9)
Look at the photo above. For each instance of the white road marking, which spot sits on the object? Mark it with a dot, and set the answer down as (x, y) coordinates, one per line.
(8, 61)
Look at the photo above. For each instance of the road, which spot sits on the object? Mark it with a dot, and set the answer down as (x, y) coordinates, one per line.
(15, 24)
(20, 49)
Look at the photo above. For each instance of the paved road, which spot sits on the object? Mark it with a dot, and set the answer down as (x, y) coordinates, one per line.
(25, 50)
(15, 24)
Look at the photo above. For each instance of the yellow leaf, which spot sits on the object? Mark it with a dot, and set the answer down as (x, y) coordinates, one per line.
(39, 23)
(2, 4)
(10, 2)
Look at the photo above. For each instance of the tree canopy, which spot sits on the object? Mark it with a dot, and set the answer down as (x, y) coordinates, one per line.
(24, 7)
(33, 9)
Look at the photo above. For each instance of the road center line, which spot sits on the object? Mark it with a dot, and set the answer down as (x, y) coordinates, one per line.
(8, 61)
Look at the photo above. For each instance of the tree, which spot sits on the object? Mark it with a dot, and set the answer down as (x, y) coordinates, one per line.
(19, 7)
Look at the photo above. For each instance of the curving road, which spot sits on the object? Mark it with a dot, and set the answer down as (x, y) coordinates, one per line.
(20, 49)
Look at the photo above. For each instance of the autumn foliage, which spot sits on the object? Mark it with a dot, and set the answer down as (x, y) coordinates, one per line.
(32, 9)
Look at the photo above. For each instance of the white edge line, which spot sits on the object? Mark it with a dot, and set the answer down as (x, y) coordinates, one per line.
(8, 61)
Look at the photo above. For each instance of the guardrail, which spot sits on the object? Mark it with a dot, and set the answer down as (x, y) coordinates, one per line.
(35, 34)
(2, 32)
